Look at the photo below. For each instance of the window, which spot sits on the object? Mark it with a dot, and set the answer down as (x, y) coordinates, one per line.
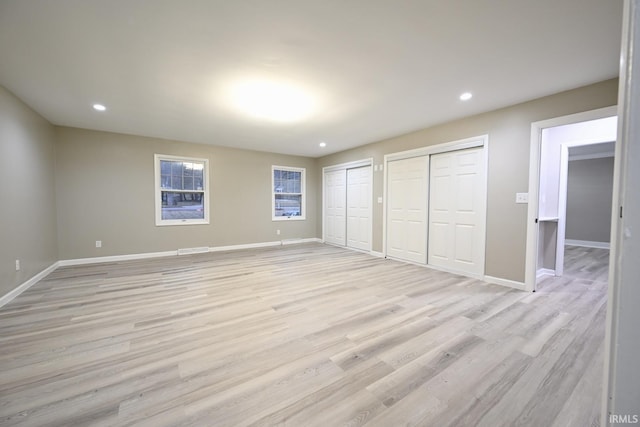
(288, 193)
(182, 190)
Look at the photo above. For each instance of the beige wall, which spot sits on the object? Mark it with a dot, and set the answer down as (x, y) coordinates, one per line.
(102, 188)
(509, 140)
(589, 197)
(105, 191)
(28, 207)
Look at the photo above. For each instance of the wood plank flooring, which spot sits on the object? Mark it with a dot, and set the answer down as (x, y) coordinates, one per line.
(299, 335)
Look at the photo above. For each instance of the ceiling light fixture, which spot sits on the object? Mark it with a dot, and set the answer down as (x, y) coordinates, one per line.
(99, 107)
(466, 96)
(322, 144)
(272, 100)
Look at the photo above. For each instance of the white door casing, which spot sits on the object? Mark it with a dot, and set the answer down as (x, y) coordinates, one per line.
(457, 205)
(359, 196)
(406, 228)
(536, 181)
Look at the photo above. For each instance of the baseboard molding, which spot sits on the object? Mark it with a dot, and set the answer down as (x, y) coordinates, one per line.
(545, 272)
(132, 257)
(245, 246)
(457, 272)
(115, 258)
(505, 282)
(301, 240)
(587, 244)
(377, 254)
(9, 296)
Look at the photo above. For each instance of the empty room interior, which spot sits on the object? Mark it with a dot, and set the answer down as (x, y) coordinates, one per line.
(302, 213)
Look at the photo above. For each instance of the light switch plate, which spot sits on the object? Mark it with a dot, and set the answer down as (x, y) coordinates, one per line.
(379, 199)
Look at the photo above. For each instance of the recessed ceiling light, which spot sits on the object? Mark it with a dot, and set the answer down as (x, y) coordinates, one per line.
(322, 144)
(466, 96)
(99, 107)
(272, 100)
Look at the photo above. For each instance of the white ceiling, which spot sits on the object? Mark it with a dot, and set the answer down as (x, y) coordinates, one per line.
(375, 68)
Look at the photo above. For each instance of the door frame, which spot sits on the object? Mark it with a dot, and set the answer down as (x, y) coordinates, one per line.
(461, 144)
(344, 166)
(562, 202)
(531, 257)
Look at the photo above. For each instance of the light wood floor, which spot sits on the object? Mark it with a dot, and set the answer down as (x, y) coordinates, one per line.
(300, 335)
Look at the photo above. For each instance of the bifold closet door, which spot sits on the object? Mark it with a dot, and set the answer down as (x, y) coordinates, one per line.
(359, 208)
(335, 187)
(407, 189)
(457, 201)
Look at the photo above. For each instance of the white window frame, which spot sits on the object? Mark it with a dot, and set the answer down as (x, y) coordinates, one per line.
(303, 189)
(158, 190)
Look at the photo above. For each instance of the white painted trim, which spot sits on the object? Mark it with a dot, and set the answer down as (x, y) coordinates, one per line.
(132, 257)
(489, 279)
(534, 181)
(562, 208)
(562, 202)
(12, 294)
(473, 142)
(587, 244)
(453, 271)
(157, 158)
(189, 251)
(115, 258)
(245, 246)
(574, 157)
(301, 240)
(545, 272)
(505, 282)
(377, 254)
(621, 390)
(303, 189)
(349, 165)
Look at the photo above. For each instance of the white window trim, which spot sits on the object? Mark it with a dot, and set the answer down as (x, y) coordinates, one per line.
(158, 191)
(303, 187)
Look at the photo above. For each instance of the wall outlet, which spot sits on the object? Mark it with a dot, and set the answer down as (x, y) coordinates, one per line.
(98, 243)
(522, 197)
(278, 232)
(379, 199)
(17, 265)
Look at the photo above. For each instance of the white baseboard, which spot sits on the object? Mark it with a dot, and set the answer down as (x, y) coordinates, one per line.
(298, 241)
(587, 244)
(245, 246)
(545, 272)
(8, 297)
(505, 282)
(115, 258)
(131, 257)
(377, 254)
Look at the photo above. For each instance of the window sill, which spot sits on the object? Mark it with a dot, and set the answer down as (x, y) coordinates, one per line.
(288, 218)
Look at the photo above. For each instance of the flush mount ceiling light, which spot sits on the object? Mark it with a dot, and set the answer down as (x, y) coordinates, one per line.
(322, 144)
(466, 96)
(99, 107)
(271, 100)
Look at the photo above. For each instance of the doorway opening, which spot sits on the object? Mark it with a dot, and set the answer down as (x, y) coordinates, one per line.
(570, 185)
